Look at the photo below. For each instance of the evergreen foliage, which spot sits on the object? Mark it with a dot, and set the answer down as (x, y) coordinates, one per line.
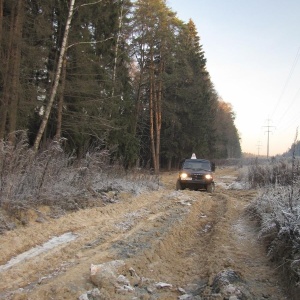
(228, 144)
(134, 82)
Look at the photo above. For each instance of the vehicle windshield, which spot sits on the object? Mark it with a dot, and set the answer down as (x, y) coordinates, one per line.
(197, 165)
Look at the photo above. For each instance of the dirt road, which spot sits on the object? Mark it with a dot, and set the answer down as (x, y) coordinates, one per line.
(174, 244)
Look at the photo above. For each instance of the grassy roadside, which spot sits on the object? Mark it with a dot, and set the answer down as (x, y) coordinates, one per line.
(277, 209)
(62, 182)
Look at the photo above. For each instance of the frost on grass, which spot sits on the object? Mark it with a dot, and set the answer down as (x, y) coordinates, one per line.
(54, 178)
(278, 211)
(274, 172)
(277, 208)
(236, 185)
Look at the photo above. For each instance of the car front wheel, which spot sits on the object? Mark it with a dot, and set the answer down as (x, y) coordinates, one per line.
(178, 185)
(210, 188)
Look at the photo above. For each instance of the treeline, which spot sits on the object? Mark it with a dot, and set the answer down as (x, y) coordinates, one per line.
(293, 151)
(132, 79)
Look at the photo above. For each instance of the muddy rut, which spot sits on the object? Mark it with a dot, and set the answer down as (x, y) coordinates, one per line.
(179, 244)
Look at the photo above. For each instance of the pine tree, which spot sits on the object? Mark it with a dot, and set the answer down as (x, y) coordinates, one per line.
(228, 141)
(153, 37)
(192, 103)
(133, 81)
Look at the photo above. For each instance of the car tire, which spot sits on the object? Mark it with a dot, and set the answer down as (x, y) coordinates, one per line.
(178, 186)
(210, 188)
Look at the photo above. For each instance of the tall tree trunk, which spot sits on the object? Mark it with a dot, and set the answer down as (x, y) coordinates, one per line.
(169, 164)
(117, 49)
(138, 107)
(152, 113)
(3, 104)
(15, 71)
(158, 113)
(61, 100)
(1, 21)
(10, 60)
(56, 79)
(155, 107)
(5, 62)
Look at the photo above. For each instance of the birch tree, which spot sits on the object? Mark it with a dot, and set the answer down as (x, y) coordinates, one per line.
(56, 79)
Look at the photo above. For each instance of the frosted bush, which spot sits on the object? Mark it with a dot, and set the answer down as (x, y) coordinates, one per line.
(275, 172)
(55, 178)
(278, 210)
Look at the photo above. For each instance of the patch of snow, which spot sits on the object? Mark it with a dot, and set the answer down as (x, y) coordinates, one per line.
(181, 290)
(161, 285)
(184, 202)
(207, 228)
(236, 185)
(228, 177)
(174, 194)
(54, 242)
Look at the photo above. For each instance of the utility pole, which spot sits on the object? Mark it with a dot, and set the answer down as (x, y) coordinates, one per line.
(268, 131)
(258, 147)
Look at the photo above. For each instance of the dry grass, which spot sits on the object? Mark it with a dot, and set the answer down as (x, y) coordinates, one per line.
(274, 172)
(278, 210)
(59, 180)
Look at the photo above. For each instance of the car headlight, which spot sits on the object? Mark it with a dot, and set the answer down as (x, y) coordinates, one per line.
(208, 176)
(183, 176)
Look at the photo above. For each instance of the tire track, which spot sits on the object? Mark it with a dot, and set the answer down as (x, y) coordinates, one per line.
(184, 239)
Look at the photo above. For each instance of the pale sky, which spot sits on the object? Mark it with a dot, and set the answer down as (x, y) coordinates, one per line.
(252, 49)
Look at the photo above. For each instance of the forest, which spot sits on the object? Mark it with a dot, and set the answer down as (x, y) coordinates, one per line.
(127, 77)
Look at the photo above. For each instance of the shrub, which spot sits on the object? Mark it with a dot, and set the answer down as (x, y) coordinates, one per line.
(52, 177)
(272, 172)
(277, 207)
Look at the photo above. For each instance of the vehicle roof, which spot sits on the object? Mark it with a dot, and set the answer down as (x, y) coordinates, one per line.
(196, 159)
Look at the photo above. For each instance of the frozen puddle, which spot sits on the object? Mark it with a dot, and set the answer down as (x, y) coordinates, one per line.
(54, 242)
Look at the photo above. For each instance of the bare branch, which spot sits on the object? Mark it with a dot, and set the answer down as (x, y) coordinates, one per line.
(96, 42)
(86, 4)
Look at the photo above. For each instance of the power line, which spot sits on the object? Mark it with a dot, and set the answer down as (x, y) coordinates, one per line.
(287, 81)
(292, 121)
(289, 107)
